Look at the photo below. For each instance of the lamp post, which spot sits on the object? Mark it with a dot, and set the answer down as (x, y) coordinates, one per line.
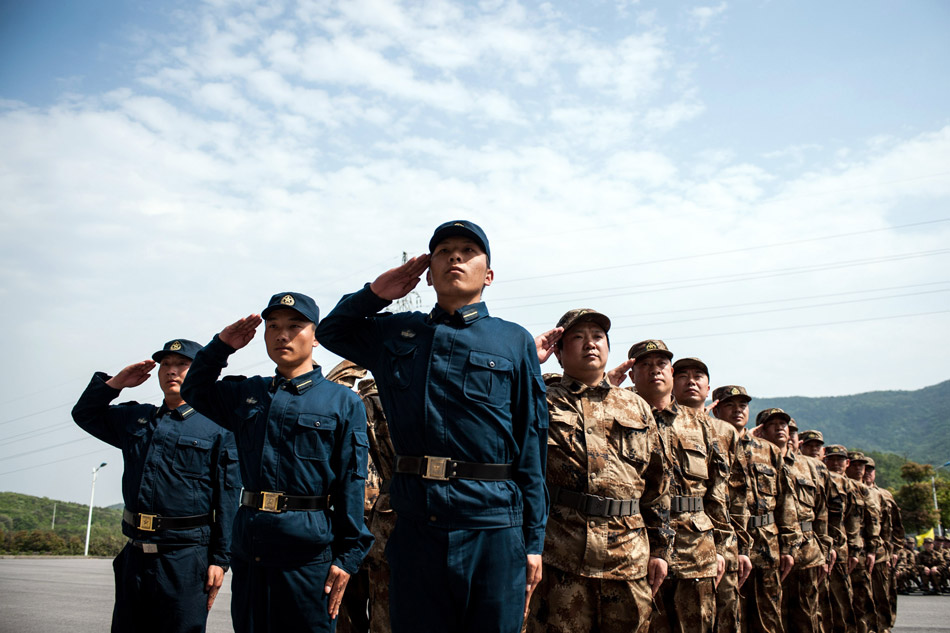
(95, 471)
(933, 487)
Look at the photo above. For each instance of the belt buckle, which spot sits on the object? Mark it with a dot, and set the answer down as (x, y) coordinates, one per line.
(269, 502)
(146, 522)
(150, 548)
(435, 468)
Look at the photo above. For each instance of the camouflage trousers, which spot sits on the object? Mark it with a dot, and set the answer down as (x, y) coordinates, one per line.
(838, 605)
(864, 612)
(761, 601)
(880, 581)
(800, 601)
(567, 603)
(684, 605)
(727, 603)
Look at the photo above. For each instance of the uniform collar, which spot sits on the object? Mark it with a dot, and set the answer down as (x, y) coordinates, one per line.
(299, 384)
(577, 387)
(181, 413)
(461, 317)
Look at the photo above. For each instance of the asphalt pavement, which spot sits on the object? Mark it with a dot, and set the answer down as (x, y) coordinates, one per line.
(74, 595)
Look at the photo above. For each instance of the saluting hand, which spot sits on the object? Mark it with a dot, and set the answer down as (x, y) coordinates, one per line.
(215, 580)
(240, 333)
(546, 343)
(397, 282)
(132, 376)
(336, 583)
(618, 374)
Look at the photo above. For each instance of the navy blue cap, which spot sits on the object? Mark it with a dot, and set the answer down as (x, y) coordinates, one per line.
(294, 301)
(182, 346)
(462, 228)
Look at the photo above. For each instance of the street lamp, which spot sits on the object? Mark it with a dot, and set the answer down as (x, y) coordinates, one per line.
(933, 487)
(95, 471)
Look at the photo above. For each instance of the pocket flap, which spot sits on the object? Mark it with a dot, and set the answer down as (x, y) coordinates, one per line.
(490, 361)
(400, 348)
(314, 421)
(194, 442)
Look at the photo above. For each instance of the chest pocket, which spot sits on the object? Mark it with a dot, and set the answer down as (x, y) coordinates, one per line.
(564, 429)
(805, 491)
(836, 502)
(693, 457)
(634, 445)
(193, 456)
(400, 356)
(765, 479)
(487, 379)
(313, 437)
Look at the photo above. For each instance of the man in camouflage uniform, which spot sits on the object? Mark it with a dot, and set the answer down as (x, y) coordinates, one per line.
(608, 534)
(883, 585)
(865, 612)
(811, 444)
(928, 565)
(690, 388)
(809, 477)
(698, 502)
(845, 521)
(907, 566)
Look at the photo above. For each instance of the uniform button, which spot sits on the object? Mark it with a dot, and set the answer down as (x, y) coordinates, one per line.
(590, 430)
(316, 424)
(593, 523)
(433, 518)
(491, 363)
(194, 443)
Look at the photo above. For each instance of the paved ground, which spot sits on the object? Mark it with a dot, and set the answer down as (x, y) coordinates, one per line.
(70, 595)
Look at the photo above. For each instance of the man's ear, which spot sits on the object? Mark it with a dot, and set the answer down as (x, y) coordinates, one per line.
(489, 276)
(428, 277)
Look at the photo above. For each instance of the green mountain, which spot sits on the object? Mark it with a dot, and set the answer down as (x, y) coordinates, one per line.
(912, 424)
(27, 526)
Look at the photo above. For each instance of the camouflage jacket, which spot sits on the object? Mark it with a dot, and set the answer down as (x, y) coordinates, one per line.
(870, 514)
(689, 445)
(809, 478)
(769, 492)
(891, 515)
(726, 447)
(844, 517)
(604, 441)
(929, 558)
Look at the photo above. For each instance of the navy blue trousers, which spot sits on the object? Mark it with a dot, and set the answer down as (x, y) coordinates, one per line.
(280, 599)
(456, 580)
(160, 593)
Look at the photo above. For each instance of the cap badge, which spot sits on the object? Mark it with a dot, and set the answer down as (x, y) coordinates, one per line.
(287, 300)
(174, 347)
(459, 224)
(650, 346)
(734, 391)
(407, 334)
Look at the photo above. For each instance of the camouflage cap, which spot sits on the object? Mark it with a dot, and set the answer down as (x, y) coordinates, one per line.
(928, 540)
(857, 456)
(870, 461)
(835, 450)
(792, 424)
(811, 436)
(573, 317)
(730, 391)
(690, 363)
(649, 346)
(767, 414)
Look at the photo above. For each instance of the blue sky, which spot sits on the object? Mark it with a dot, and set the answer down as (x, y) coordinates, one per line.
(761, 184)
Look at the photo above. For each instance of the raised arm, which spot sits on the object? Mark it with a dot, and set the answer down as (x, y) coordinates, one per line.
(92, 412)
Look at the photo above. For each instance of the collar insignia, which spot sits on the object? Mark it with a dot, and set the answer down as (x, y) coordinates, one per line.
(407, 334)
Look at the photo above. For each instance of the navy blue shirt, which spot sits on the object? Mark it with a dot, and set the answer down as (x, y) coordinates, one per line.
(177, 463)
(465, 386)
(304, 436)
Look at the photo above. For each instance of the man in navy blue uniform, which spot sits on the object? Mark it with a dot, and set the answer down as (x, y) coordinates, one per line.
(180, 485)
(299, 533)
(465, 401)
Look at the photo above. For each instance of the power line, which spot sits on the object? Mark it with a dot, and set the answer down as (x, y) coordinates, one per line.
(725, 252)
(809, 325)
(666, 286)
(46, 448)
(55, 461)
(26, 435)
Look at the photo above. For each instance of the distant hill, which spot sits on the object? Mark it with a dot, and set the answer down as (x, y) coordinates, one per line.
(26, 526)
(913, 424)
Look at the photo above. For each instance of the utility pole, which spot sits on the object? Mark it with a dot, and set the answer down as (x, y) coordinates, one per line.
(92, 496)
(52, 525)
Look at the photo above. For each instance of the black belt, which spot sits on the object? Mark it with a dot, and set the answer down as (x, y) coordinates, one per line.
(762, 520)
(806, 526)
(159, 548)
(594, 505)
(445, 468)
(153, 522)
(279, 502)
(686, 504)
